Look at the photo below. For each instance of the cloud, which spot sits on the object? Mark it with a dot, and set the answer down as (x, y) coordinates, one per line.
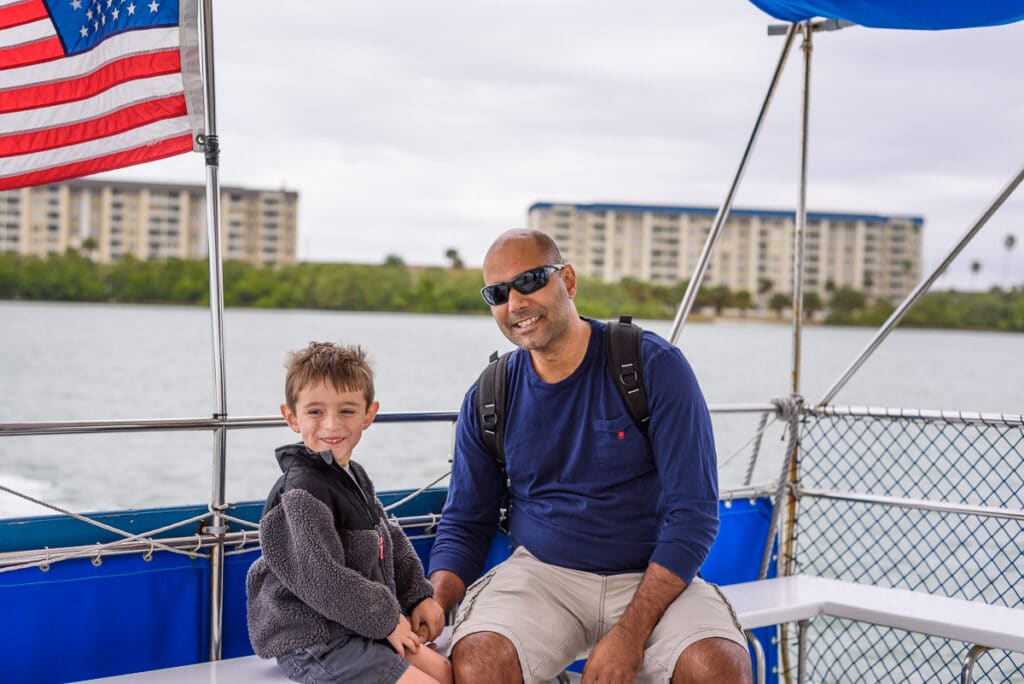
(412, 127)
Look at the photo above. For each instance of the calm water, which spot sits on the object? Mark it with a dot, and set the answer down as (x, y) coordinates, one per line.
(98, 361)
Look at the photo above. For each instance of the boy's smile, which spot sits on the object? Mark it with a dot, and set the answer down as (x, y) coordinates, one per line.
(330, 419)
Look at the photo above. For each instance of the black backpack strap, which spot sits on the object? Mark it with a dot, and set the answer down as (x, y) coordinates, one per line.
(491, 400)
(490, 407)
(622, 342)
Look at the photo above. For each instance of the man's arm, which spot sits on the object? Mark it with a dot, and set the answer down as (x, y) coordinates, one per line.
(469, 519)
(617, 656)
(683, 446)
(448, 589)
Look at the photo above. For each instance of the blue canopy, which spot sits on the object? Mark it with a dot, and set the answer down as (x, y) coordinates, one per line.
(900, 14)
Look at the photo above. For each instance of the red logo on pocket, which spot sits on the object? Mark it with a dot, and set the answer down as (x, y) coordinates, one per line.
(621, 435)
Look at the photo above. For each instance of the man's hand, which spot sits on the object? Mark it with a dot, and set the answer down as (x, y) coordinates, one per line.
(615, 659)
(448, 588)
(618, 655)
(402, 638)
(427, 619)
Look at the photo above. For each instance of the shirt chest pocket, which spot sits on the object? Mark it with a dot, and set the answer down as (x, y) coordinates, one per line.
(619, 447)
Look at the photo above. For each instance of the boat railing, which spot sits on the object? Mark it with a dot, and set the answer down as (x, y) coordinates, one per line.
(910, 498)
(240, 535)
(86, 427)
(929, 501)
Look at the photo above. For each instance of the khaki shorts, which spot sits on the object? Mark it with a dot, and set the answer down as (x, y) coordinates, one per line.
(554, 615)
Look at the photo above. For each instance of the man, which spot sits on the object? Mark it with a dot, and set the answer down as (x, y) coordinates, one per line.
(610, 527)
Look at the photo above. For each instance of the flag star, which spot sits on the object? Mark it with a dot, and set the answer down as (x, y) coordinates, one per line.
(109, 2)
(131, 8)
(84, 32)
(103, 19)
(154, 6)
(95, 26)
(115, 13)
(88, 14)
(76, 4)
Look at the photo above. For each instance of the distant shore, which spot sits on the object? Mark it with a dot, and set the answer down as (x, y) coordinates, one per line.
(393, 286)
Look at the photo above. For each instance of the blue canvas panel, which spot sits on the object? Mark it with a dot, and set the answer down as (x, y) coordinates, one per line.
(900, 14)
(78, 621)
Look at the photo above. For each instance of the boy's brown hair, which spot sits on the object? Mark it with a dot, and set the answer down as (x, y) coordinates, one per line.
(344, 366)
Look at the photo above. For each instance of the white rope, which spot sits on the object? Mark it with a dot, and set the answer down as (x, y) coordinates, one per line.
(126, 536)
(785, 408)
(419, 491)
(241, 547)
(239, 521)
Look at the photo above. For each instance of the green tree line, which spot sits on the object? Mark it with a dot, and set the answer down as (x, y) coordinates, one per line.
(394, 286)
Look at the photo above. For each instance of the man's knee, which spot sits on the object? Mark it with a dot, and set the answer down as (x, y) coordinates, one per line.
(713, 660)
(485, 657)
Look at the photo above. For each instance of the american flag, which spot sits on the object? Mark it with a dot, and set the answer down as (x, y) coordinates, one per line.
(93, 85)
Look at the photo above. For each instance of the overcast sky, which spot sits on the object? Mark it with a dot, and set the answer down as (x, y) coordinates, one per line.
(412, 127)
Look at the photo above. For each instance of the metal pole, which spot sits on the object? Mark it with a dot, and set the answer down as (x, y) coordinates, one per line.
(921, 288)
(800, 224)
(723, 212)
(218, 525)
(801, 662)
(967, 672)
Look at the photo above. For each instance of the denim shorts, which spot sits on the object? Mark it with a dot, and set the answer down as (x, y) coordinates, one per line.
(350, 659)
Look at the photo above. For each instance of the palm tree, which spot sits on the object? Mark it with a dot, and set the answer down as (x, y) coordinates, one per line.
(1009, 243)
(764, 289)
(89, 246)
(778, 302)
(812, 304)
(453, 256)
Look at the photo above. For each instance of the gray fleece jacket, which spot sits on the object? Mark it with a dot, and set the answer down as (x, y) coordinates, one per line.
(332, 563)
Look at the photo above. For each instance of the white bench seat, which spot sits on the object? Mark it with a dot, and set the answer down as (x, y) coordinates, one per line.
(802, 597)
(760, 603)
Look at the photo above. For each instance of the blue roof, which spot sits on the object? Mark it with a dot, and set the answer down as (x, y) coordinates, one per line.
(900, 14)
(711, 211)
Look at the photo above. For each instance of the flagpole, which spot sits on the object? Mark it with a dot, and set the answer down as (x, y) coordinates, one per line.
(211, 148)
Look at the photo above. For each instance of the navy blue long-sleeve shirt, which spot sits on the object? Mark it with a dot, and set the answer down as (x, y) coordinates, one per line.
(588, 490)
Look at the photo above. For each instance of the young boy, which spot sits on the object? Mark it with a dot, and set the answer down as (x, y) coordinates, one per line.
(328, 596)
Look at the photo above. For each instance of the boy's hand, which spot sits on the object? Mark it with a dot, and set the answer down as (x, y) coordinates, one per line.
(402, 638)
(427, 619)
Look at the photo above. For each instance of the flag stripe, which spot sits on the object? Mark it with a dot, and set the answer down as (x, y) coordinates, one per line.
(33, 53)
(84, 110)
(19, 34)
(94, 85)
(22, 13)
(158, 130)
(107, 76)
(149, 152)
(115, 47)
(116, 122)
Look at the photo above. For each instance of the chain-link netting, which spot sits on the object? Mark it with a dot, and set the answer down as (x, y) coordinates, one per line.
(974, 461)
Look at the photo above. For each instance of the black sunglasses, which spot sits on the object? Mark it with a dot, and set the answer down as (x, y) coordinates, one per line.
(524, 283)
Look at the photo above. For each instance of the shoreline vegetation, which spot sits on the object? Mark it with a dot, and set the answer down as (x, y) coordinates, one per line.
(394, 286)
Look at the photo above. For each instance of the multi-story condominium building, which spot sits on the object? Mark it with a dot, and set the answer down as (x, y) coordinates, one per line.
(111, 219)
(878, 255)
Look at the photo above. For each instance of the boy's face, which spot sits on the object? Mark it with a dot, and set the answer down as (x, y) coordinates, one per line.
(328, 418)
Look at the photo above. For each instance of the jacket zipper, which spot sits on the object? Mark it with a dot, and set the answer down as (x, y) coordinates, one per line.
(370, 516)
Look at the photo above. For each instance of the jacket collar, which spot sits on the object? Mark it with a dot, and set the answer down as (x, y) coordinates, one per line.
(290, 453)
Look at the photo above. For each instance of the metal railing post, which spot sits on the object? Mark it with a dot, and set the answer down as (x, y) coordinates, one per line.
(723, 212)
(218, 525)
